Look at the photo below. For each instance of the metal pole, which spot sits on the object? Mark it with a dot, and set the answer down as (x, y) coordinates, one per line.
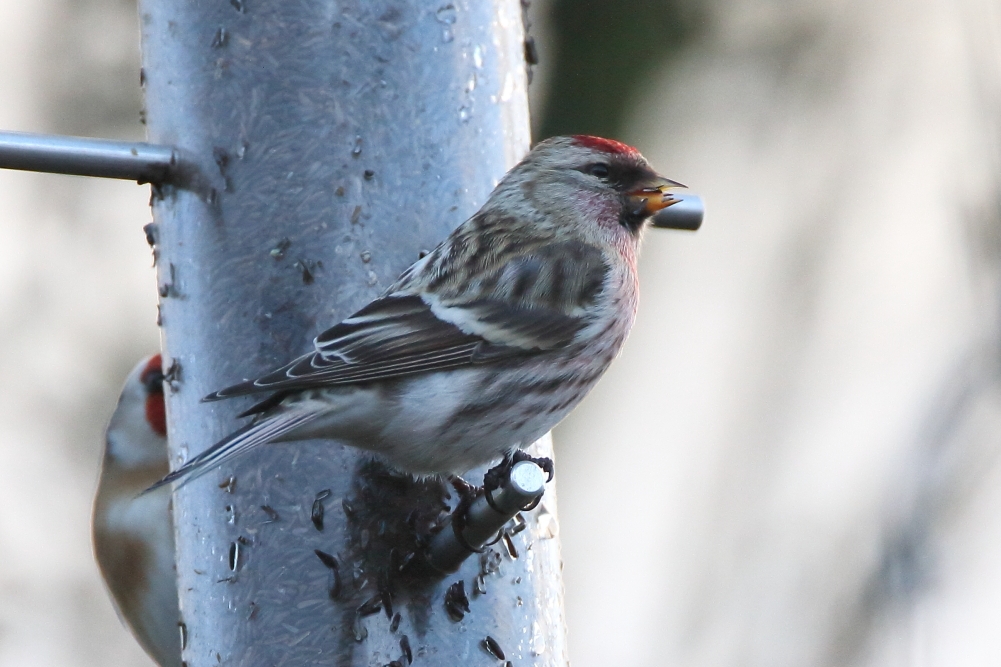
(80, 156)
(332, 142)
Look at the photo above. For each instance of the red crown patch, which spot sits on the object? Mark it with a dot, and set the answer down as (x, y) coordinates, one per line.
(606, 145)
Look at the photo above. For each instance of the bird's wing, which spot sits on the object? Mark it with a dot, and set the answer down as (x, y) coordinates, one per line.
(520, 307)
(252, 435)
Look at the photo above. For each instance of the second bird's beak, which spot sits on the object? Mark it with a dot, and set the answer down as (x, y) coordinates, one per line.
(653, 195)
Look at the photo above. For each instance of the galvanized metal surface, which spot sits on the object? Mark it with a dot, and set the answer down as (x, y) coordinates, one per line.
(81, 156)
(331, 142)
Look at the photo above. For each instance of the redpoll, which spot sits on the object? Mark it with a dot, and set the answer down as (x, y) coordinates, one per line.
(486, 343)
(133, 536)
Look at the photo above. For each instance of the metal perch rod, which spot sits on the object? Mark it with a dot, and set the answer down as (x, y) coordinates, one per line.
(134, 161)
(686, 214)
(525, 484)
(152, 163)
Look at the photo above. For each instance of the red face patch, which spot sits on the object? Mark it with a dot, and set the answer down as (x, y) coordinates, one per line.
(156, 414)
(606, 145)
(155, 363)
(151, 378)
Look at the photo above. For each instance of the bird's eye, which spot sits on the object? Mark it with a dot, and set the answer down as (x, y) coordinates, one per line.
(599, 169)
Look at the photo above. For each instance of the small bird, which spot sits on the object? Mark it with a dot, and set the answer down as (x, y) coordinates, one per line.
(487, 342)
(133, 536)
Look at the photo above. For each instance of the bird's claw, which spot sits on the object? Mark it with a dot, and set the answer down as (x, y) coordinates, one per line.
(496, 476)
(467, 494)
(545, 463)
(464, 489)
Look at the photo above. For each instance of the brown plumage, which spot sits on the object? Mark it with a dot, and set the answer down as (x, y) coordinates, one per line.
(133, 536)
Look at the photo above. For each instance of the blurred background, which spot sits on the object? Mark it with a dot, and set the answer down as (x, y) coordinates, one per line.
(797, 459)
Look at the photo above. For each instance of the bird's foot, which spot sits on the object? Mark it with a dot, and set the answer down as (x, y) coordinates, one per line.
(467, 494)
(496, 476)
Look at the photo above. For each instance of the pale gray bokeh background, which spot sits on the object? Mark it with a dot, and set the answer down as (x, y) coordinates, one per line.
(795, 461)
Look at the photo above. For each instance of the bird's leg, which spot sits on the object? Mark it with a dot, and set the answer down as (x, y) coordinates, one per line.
(463, 488)
(467, 494)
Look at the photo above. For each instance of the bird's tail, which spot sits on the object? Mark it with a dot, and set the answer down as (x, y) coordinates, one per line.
(235, 444)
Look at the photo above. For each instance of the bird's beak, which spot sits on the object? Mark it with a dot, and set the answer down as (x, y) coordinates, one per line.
(652, 196)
